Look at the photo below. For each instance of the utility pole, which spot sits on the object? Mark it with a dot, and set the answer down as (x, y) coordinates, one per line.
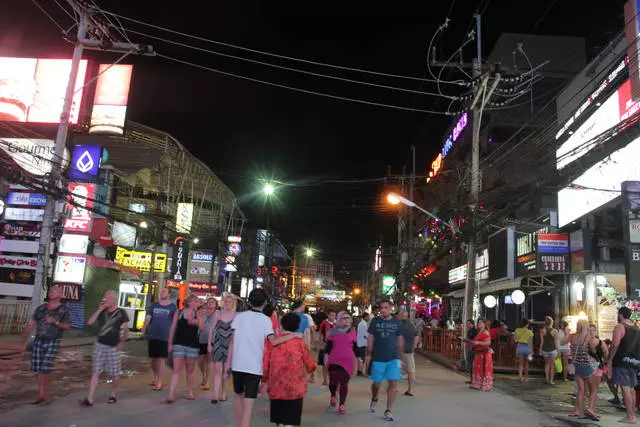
(85, 21)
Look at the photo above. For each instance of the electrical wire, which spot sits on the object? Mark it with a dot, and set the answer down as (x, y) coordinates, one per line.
(48, 15)
(274, 55)
(295, 70)
(296, 89)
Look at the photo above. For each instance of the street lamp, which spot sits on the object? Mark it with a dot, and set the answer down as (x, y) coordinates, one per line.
(268, 189)
(144, 224)
(308, 252)
(395, 199)
(196, 240)
(357, 291)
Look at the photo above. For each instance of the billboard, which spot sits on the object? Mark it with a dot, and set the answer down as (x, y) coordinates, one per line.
(23, 214)
(553, 253)
(33, 155)
(180, 259)
(32, 90)
(85, 162)
(502, 255)
(74, 244)
(82, 195)
(110, 101)
(69, 269)
(26, 199)
(184, 217)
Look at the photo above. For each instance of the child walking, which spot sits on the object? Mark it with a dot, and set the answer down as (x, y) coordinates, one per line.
(342, 350)
(285, 371)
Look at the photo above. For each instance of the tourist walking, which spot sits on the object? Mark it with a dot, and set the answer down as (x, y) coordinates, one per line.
(207, 313)
(113, 330)
(304, 328)
(341, 351)
(285, 370)
(323, 332)
(251, 328)
(549, 350)
(362, 335)
(598, 360)
(385, 342)
(157, 324)
(184, 345)
(49, 321)
(625, 348)
(564, 350)
(219, 346)
(581, 344)
(482, 378)
(524, 345)
(411, 341)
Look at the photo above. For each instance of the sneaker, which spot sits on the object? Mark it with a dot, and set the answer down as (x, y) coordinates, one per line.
(388, 416)
(341, 410)
(332, 402)
(373, 405)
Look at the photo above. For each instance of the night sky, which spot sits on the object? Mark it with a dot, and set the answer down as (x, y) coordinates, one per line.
(247, 131)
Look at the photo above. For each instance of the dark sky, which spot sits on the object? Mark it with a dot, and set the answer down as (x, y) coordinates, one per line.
(246, 131)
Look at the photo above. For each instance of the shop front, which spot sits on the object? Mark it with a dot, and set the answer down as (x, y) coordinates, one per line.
(133, 297)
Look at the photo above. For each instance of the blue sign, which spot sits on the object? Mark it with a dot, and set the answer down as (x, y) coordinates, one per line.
(85, 162)
(26, 199)
(201, 256)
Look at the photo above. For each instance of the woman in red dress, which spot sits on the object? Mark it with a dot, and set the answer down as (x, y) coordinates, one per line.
(483, 360)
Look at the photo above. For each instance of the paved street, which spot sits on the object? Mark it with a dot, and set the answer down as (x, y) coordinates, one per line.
(442, 399)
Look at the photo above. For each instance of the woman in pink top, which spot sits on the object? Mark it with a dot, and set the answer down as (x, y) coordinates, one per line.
(342, 350)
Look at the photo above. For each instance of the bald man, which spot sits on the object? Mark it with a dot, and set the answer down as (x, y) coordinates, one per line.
(114, 329)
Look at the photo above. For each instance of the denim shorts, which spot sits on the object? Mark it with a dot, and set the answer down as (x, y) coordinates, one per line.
(550, 354)
(523, 350)
(184, 352)
(585, 371)
(565, 351)
(624, 377)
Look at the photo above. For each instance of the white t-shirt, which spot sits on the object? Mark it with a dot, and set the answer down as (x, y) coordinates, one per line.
(363, 333)
(250, 330)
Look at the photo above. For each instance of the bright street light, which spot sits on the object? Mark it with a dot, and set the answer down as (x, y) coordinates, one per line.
(356, 291)
(144, 224)
(308, 252)
(268, 189)
(196, 240)
(395, 199)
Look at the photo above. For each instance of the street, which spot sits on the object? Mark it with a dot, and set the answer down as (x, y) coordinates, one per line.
(441, 399)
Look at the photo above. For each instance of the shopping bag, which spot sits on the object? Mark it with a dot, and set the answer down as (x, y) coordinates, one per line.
(558, 363)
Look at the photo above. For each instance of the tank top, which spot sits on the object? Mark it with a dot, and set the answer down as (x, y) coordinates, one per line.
(560, 336)
(186, 334)
(581, 354)
(629, 346)
(548, 344)
(204, 334)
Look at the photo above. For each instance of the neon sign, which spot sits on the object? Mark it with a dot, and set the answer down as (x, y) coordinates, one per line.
(436, 165)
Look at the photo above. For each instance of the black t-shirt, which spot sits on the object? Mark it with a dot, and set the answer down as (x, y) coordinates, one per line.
(110, 324)
(471, 333)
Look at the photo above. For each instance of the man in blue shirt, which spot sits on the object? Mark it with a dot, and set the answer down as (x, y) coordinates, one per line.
(305, 327)
(156, 328)
(384, 347)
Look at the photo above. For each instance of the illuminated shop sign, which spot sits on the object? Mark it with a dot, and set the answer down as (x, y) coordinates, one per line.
(69, 269)
(201, 256)
(607, 81)
(82, 196)
(184, 217)
(141, 260)
(436, 165)
(179, 261)
(85, 162)
(35, 156)
(26, 199)
(458, 274)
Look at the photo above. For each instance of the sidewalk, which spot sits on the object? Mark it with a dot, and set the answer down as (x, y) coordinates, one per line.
(10, 345)
(441, 400)
(454, 364)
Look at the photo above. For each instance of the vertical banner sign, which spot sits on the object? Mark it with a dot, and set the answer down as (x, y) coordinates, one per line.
(184, 217)
(180, 259)
(631, 235)
(82, 195)
(631, 30)
(553, 253)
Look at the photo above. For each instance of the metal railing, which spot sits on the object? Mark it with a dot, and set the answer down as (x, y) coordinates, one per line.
(14, 316)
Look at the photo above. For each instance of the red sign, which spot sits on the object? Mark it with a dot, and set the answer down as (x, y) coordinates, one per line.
(70, 291)
(18, 261)
(203, 287)
(82, 195)
(21, 230)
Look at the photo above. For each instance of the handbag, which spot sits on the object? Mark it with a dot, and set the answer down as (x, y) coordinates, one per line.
(558, 365)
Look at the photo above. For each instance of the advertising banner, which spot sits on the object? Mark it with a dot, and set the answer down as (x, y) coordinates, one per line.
(184, 217)
(69, 269)
(34, 156)
(24, 263)
(21, 230)
(19, 246)
(26, 199)
(85, 162)
(32, 90)
(82, 195)
(74, 244)
(502, 255)
(23, 214)
(17, 276)
(111, 98)
(123, 234)
(458, 274)
(180, 259)
(141, 260)
(71, 291)
(553, 253)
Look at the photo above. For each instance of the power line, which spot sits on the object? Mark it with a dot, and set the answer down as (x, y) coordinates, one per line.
(296, 89)
(295, 70)
(51, 18)
(274, 55)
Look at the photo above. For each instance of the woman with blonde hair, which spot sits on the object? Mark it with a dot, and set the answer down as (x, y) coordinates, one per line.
(582, 343)
(549, 350)
(219, 339)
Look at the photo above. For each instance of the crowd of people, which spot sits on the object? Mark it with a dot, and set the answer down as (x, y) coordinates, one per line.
(259, 350)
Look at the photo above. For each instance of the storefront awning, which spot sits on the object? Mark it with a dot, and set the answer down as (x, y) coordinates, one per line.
(489, 288)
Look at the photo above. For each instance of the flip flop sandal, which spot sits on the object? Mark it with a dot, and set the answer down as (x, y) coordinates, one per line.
(591, 416)
(573, 415)
(170, 401)
(191, 397)
(112, 399)
(38, 401)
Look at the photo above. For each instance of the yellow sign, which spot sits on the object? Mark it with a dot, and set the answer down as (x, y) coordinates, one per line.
(141, 260)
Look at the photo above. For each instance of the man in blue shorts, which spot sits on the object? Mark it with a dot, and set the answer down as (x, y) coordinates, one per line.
(383, 344)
